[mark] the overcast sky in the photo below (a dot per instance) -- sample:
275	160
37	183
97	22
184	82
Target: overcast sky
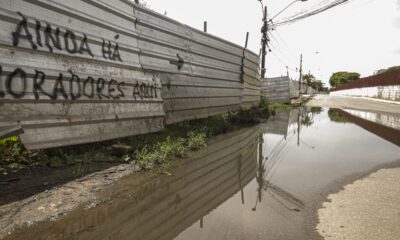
361	36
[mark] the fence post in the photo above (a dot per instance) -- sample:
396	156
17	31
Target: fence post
244	57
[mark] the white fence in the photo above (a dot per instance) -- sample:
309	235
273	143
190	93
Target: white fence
390	93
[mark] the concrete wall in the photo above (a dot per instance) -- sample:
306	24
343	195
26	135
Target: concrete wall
276	89
282	89
391	93
385	86
82	71
304	89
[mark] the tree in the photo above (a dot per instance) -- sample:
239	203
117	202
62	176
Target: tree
385	70
340	78
308	78
311	81
318	85
394	68
379	71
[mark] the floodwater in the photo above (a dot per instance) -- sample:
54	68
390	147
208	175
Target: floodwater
262	182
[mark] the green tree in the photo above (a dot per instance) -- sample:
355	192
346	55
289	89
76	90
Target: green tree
311	81
394	68
340	78
390	69
308	79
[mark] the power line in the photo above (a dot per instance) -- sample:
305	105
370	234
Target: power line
306	14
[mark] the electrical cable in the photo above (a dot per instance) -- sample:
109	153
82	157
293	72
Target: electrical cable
306	14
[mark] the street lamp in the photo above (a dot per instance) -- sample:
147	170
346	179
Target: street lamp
264	30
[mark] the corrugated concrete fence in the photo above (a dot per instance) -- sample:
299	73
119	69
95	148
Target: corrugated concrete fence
82	71
276	89
304	89
282	89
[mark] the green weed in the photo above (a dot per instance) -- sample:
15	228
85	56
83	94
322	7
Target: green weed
196	141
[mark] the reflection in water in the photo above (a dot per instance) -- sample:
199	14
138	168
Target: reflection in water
335	116
151	207
391	120
256	183
384	125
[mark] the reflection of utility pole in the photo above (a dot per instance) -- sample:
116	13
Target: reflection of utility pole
240	177
298	129
260	172
260	167
301	73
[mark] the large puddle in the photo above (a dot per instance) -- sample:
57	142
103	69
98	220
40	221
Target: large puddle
256	183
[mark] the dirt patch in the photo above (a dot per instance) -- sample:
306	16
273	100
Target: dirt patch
56	202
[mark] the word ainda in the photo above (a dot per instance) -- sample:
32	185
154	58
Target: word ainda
52	38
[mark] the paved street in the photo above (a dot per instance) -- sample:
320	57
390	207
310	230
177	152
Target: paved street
369	207
323	100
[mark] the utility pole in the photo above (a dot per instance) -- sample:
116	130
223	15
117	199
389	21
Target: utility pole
264	31
301	73
287	71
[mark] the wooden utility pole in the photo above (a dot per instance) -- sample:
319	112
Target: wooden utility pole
247	40
301	73
287	71
264	31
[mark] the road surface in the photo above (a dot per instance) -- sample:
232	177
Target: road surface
368	208
323	100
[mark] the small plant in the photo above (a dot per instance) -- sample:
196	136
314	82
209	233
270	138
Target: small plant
279	107
55	162
196	141
179	147
79	170
100	157
146	158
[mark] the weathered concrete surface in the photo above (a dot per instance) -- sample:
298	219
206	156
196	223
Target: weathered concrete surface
276	89
366	209
353	103
390	93
110	69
